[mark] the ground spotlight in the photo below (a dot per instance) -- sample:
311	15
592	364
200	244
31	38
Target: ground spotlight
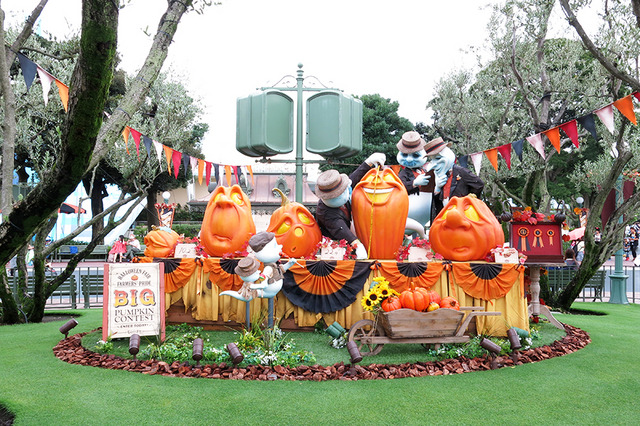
134	345
354	354
493	349
514	340
197	351
234	352
68	326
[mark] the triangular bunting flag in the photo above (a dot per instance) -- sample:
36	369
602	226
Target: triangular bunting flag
29	69
605	114
136	138
125	135
625	106
476	159
571	130
216	173
492	155
235	172
505	151
464	161
194	168
553	135
45	79
147	144
176	157
186	163
168	153
517	147
200	170
208	172
158	146
536	142
637	95
63	91
589	124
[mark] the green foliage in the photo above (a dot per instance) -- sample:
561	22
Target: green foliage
189	231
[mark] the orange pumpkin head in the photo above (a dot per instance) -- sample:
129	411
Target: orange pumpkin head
465	229
416	298
296	230
160	242
380	205
227	223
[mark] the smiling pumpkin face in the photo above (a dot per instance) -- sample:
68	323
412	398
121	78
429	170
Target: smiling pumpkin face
465	229
295	228
380	205
227	222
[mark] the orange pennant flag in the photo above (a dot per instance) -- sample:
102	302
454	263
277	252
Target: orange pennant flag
625	106
492	155
253	182
168	153
227	174
200	170
63	91
554	137
125	136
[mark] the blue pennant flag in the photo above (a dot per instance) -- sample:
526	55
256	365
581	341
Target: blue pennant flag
517	147
589	123
147	144
29	69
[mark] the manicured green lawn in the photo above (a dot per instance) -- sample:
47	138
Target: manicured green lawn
598	384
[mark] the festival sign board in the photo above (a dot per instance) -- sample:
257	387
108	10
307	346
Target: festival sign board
133	300
541	242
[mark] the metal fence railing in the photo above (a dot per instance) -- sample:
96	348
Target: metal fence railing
84	288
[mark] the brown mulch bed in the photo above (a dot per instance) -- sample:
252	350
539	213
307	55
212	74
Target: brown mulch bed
71	350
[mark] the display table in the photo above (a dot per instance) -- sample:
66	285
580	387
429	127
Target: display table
333	290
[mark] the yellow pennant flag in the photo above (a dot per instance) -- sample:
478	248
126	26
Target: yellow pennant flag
253	182
125	136
227	174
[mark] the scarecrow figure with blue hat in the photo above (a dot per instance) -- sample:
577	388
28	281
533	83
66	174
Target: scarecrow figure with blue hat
333	212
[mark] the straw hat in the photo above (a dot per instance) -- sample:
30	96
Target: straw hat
435	146
331	183
410	142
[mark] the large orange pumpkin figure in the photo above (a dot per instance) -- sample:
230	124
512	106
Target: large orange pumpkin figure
160	242
227	223
296	230
465	229
380	205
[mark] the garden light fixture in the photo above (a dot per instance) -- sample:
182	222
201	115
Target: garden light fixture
197	351
134	345
234	352
68	326
493	349
514	340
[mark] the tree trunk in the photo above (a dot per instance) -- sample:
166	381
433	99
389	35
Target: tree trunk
97	207
9	129
152	213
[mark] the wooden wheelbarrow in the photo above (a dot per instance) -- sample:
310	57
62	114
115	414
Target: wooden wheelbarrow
408	326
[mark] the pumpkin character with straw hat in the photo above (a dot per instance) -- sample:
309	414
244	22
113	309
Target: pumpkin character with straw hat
333	211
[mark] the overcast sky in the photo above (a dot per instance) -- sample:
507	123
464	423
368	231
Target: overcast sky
399	49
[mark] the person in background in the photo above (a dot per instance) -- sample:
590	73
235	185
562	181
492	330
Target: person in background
570	259
627	247
133	248
597	236
116	254
579	250
633	242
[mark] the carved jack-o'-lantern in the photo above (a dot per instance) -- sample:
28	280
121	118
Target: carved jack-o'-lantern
465	229
160	242
296	230
380	205
227	222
